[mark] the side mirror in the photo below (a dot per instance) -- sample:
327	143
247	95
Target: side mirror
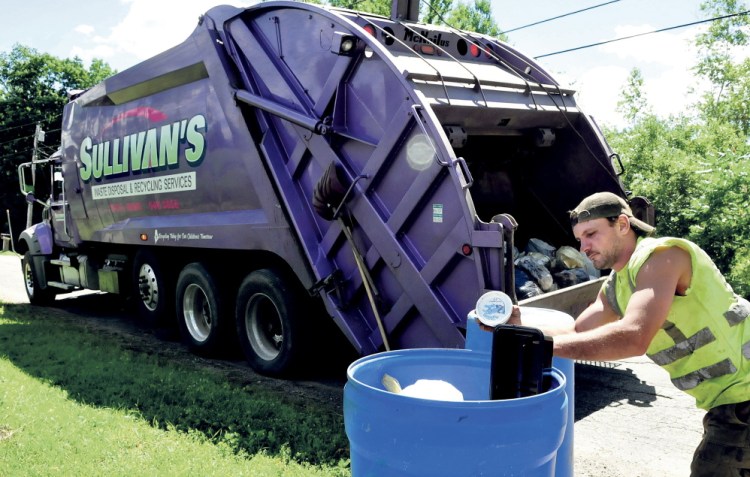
25	178
27	188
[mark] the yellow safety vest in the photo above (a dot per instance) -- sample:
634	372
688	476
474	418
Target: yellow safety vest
704	344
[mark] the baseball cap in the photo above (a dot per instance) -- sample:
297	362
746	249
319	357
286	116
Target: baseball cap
606	204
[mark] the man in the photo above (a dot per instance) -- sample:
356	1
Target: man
666	298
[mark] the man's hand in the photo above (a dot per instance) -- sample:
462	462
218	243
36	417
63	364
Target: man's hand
515	316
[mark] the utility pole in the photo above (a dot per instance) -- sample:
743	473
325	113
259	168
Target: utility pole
38	137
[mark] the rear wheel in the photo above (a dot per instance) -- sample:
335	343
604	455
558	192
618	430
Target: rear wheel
36	295
152	289
270	325
204	324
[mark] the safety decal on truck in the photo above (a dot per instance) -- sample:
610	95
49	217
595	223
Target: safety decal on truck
437	213
150	150
179	236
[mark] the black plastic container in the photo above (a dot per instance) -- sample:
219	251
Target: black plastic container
519	357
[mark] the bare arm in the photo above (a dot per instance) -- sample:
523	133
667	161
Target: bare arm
599	338
595	315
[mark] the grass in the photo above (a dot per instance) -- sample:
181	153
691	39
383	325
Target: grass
73	402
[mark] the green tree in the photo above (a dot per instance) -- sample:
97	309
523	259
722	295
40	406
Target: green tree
435	11
696	170
633	103
476	17
34	88
378	7
729	97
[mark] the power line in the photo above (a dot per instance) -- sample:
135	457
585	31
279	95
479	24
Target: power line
643	34
50	120
29	137
23	138
3	130
559	16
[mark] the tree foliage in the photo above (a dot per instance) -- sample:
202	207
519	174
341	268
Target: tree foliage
436	11
720	46
378	7
475	16
33	90
696	170
633	103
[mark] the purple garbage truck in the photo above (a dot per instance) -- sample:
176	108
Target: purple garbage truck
291	157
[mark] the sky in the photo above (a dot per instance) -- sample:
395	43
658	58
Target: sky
124	32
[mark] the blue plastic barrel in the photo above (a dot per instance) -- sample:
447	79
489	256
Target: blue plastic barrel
479	340
395	435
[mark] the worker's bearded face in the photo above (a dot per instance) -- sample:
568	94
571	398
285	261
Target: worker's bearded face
600	242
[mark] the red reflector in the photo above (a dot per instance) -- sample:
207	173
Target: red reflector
370	29
427	49
466	249
144	237
474	50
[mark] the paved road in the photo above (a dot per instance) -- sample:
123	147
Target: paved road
630	420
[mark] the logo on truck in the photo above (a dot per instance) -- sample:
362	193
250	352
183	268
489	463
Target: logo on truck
425	36
151	150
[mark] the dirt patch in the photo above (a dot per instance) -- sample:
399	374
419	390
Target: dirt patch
6	433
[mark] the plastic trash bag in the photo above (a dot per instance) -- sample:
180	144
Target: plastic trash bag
568	278
536	271
583	274
525	286
569	258
434	389
540	246
540	258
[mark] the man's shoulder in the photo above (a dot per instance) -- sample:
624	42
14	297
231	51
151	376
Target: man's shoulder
671	250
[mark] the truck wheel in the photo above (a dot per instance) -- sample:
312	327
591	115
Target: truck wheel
200	311
36	295
270	327
152	290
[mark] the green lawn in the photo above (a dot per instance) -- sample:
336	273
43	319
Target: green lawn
73	402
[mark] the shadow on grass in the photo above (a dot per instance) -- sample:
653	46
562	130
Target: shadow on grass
166	388
598	386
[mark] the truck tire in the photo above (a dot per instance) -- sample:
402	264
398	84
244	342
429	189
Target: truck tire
36	295
205	325
152	289
270	325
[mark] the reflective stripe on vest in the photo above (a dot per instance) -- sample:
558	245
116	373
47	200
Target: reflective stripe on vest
683	346
692	380
738	312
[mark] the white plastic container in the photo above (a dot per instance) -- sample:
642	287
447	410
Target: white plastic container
493	308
